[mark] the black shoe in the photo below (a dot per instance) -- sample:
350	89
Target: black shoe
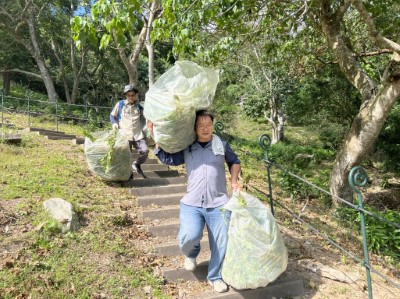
136	168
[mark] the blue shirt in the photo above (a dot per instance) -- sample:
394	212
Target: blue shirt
205	173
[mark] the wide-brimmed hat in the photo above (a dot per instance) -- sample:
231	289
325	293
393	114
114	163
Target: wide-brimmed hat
130	87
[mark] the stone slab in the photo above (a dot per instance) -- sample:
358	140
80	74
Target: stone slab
11	139
287	287
157	174
162	213
173	249
158	190
153	167
160	200
177	275
164	230
146	182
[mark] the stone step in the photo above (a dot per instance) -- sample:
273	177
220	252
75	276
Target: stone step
165	200
60	137
151	161
158	190
32	129
172	249
157	174
179	275
146	182
164	230
55	133
286	287
154	167
11	139
78	140
170	213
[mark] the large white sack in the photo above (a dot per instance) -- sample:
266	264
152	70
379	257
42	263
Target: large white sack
171	103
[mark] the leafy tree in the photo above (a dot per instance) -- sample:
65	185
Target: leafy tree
21	20
359	50
128	23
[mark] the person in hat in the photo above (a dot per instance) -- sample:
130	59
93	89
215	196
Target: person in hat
127	116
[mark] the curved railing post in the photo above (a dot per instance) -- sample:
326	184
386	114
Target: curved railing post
359	178
265	141
219	127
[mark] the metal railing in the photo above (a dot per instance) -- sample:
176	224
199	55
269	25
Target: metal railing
62	112
357	178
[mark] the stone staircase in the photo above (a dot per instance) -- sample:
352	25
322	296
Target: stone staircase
56	135
158	192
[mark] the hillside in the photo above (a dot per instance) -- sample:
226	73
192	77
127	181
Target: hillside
111	256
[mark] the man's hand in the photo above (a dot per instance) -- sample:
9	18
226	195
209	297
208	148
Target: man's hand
115	126
149	125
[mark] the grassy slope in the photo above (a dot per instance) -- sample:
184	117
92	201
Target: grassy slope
105	258
101	260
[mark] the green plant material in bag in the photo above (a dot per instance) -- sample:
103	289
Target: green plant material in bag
108	155
172	101
256	254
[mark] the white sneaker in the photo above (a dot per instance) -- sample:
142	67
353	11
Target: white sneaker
219	286
190	264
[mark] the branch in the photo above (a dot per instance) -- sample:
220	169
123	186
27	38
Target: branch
262	69
342	10
252	76
374	53
345	58
23	72
373	31
3	11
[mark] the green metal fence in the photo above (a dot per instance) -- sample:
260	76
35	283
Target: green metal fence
357	178
56	111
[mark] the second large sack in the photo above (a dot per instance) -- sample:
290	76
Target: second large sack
172	101
256	254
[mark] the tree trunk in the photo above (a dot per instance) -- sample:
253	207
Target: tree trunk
362	136
36	53
376	105
153	14
150	51
62	68
6	82
130	66
77	73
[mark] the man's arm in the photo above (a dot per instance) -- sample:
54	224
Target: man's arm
169	159
234	166
235	170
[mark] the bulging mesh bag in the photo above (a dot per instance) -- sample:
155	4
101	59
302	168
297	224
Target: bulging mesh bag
256	254
118	166
172	101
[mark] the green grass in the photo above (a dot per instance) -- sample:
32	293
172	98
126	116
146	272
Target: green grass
98	260
101	259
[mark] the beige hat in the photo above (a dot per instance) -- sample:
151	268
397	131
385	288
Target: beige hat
130	87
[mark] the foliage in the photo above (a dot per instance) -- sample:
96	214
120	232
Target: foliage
382	238
324	96
388	140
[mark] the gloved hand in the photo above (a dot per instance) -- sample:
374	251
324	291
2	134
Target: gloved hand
115	126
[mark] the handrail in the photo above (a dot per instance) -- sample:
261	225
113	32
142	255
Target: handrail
33	107
357	178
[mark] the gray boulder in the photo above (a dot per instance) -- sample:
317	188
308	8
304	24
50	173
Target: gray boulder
63	212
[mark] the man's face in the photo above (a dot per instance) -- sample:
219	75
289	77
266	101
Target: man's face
131	97
204	128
